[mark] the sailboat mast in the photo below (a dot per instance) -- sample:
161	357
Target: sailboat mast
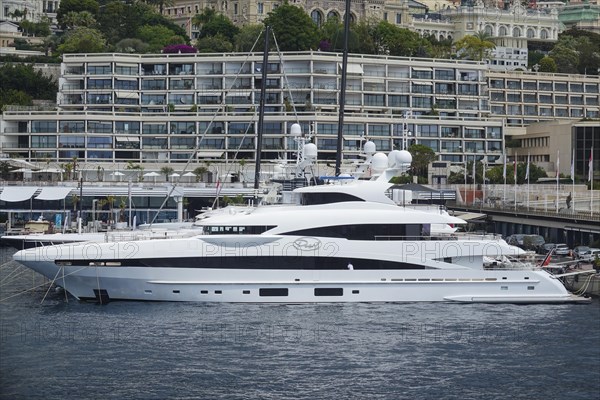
261	109
340	137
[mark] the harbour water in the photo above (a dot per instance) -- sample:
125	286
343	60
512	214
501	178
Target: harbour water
137	350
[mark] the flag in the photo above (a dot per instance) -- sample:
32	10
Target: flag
504	169
527	170
548	257
515	169
590	166
218	187
474	162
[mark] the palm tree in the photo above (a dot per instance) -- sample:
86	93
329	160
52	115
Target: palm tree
167	171
476	47
160	3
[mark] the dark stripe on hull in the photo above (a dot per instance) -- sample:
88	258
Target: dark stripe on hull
252	262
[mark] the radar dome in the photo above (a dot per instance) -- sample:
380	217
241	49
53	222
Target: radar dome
310	150
403	157
393	158
379	162
369	147
295	130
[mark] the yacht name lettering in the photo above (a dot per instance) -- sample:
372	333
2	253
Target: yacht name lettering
307	244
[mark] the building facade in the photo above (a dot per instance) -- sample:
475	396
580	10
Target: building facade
511	29
164	109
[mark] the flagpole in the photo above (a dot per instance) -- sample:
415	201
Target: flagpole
504	176
557	175
474	180
573	179
515	178
483	192
527	175
591	179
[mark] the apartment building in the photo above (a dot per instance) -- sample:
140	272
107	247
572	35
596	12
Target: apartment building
168	108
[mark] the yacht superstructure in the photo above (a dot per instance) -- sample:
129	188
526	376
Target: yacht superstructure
338	252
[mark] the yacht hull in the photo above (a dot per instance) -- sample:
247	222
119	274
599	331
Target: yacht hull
301	286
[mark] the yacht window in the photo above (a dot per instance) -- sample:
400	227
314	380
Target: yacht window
273	292
236	230
365	231
326	198
329	291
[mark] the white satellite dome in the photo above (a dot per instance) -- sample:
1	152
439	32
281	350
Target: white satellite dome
310	150
379	161
393	158
295	130
369	148
403	157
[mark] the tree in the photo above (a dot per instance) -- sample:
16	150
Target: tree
21	84
422	156
158	36
475	47
390	39
214	44
547	64
167	171
293	28
14	97
199	172
67	6
212	24
75	19
131	46
248	37
83	40
161	4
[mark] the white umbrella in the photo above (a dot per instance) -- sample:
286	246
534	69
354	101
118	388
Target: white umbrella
152	174
117	173
22	170
52	170
174	175
190	174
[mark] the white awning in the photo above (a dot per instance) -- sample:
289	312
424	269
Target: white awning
14	194
209	153
422	69
53	193
127	139
352	68
234	92
126	65
126	95
423	83
479	128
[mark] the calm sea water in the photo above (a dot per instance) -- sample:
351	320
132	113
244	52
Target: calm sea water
136	350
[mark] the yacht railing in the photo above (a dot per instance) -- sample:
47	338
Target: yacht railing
443	236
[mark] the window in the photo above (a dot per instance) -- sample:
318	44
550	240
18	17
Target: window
43	127
99	142
379	130
43	141
183	128
273	292
99	69
260	8
154	129
329	291
428	131
127	127
100	127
